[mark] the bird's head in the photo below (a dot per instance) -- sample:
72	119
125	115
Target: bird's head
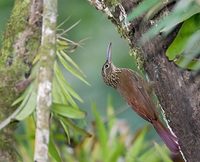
109	71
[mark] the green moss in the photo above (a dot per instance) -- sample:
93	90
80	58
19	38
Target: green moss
111	3
13	66
139	60
16	24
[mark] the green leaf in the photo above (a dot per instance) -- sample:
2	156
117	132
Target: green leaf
116	152
150	155
60	79
188	28
137	146
163	153
67	58
71	70
53	150
182	61
28	108
101	131
28	91
65	127
67	111
77	129
58	96
178	15
142	8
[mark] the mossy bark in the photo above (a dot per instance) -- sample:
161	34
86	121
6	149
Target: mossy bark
20	44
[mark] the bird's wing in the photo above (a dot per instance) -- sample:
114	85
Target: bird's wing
142	87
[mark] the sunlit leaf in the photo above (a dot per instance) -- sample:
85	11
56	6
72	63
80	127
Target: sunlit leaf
188	28
67	111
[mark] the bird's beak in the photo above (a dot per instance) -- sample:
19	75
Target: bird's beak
108	55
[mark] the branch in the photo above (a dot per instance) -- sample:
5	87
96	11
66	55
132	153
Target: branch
45	77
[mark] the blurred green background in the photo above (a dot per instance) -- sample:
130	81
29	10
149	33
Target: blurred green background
100	31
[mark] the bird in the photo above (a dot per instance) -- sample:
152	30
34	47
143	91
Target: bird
136	92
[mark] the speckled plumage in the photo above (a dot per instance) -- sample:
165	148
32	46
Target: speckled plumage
134	90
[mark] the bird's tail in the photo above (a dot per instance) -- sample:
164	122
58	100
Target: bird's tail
169	139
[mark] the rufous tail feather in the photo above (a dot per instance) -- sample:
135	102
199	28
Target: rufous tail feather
169	139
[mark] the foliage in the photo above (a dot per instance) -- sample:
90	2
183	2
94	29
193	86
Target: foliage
64	107
112	141
184	50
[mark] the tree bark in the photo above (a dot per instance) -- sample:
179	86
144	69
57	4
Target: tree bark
20	44
178	90
45	79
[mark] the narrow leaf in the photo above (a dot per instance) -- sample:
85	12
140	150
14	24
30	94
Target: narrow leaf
137	147
67	58
142	8
60	79
175	17
77	129
28	108
53	150
65	127
188	28
28	91
71	70
163	153
67	111
101	131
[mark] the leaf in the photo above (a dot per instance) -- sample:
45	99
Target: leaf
22	97
163	154
142	8
53	150
179	14
67	111
65	127
137	146
116	152
58	97
150	155
71	70
67	58
194	64
101	131
70	124
60	79
28	108
188	28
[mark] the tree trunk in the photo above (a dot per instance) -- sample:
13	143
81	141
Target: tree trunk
178	90
20	44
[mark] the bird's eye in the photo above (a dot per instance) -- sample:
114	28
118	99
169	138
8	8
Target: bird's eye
106	66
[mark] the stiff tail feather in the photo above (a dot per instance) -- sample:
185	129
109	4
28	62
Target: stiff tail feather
169	139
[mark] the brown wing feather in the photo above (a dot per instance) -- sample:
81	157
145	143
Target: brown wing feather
133	89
